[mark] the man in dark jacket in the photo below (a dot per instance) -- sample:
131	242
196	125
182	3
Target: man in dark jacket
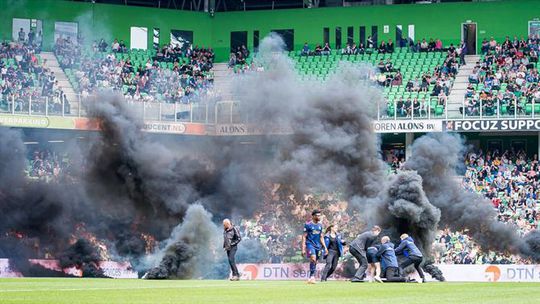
413	255
389	263
358	249
231	238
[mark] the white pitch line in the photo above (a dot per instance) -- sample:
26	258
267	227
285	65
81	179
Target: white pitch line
124	288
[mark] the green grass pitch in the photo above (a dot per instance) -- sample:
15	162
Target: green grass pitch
110	291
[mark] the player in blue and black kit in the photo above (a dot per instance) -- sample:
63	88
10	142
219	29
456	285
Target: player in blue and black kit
313	243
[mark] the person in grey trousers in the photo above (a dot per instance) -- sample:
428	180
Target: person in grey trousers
358	249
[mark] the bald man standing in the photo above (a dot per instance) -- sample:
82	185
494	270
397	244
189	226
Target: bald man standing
231	238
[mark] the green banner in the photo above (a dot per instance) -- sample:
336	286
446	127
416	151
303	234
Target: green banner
27	121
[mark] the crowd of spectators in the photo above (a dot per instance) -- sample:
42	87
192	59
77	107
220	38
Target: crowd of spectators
239	56
510	181
370	46
437	83
276	224
506	78
47	165
172	75
25	79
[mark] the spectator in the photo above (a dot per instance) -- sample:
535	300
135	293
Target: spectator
318	50
370	42
326	49
305	50
115	47
102	45
438	45
354	49
424	47
22	35
462	53
382	47
123	48
390	46
31	37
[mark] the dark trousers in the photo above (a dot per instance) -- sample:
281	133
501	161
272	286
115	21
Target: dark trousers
232	262
416	261
331	264
392	275
360	256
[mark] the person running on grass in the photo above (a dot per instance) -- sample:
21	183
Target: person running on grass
334	243
313	243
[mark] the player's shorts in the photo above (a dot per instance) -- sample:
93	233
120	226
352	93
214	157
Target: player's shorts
371	255
311	250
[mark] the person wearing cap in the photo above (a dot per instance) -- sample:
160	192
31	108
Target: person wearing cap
358	249
313	243
334	243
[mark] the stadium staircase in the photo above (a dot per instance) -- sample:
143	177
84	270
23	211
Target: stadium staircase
223	78
63	81
455	99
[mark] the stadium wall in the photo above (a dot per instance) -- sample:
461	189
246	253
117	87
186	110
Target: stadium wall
104	20
497	19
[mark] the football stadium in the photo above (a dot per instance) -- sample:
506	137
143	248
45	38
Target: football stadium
259	151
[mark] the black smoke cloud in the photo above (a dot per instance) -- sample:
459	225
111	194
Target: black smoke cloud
126	185
189	252
333	145
407	210
82	255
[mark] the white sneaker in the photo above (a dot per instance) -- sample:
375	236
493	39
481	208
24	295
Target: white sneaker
311	280
378	279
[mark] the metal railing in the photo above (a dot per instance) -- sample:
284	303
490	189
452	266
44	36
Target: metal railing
500	109
229	112
151	111
429	108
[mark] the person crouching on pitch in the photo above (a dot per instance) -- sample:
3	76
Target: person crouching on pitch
413	255
358	248
231	238
334	243
313	243
389	263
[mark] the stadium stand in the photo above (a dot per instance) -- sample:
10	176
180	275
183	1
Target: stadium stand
27	81
505	77
508	179
415	83
416	79
169	74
